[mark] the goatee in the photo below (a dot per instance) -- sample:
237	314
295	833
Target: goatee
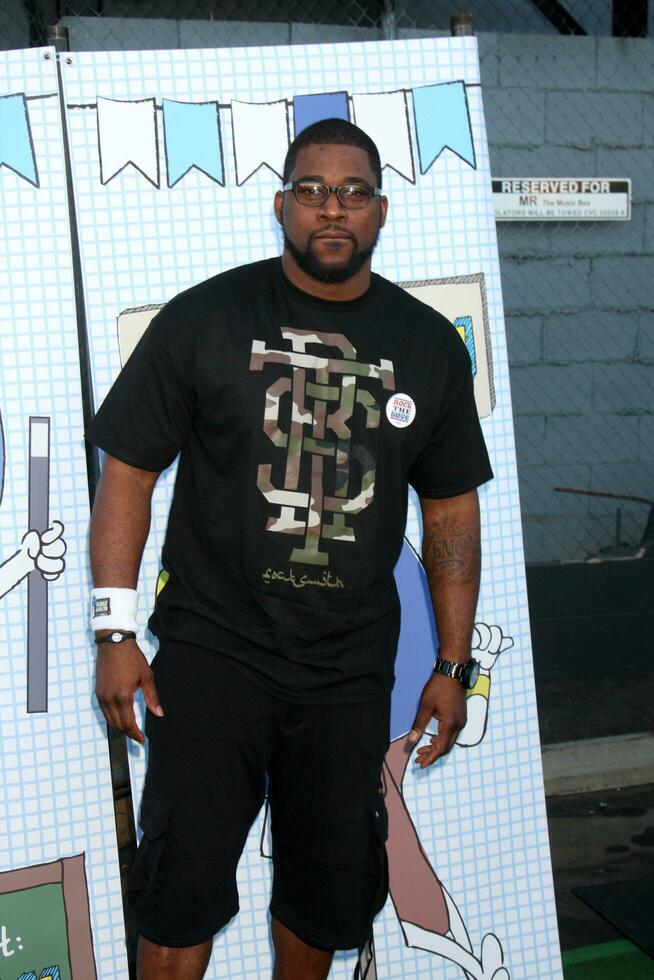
309	262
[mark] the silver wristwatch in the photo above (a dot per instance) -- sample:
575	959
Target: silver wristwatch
467	673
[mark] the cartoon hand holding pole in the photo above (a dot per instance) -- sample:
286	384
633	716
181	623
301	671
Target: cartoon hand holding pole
43	552
42	548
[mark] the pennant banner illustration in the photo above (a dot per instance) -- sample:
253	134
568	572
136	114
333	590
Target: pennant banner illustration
384	118
16	147
192	139
127	134
260	137
308	109
442	120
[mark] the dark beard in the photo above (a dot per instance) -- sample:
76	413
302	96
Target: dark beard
311	264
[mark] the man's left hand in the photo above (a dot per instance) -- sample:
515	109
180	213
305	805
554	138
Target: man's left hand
443	698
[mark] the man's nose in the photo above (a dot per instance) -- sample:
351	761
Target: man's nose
332	207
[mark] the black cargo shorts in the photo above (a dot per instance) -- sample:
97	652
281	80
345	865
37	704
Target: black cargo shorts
224	743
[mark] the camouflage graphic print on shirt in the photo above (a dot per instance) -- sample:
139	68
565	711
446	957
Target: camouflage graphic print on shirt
323	394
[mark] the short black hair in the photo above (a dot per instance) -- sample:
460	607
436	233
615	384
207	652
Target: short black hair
337	132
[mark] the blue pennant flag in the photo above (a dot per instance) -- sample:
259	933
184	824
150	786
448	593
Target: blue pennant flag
308	109
192	137
442	119
16	147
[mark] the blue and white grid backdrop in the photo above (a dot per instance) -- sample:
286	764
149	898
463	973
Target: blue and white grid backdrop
55	780
480	813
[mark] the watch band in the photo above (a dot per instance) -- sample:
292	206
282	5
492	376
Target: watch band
467	674
115	637
449	668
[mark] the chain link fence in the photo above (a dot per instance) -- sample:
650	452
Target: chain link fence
567	94
26	22
623	18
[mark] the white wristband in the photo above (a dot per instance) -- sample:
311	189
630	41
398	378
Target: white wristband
113	609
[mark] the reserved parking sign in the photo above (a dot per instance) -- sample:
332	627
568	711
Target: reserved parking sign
562	199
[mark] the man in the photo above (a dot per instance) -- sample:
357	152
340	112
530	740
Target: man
303	395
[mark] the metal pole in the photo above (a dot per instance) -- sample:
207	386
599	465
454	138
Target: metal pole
389	20
88	409
56	37
461	25
37	587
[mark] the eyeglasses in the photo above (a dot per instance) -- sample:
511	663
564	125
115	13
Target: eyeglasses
313	194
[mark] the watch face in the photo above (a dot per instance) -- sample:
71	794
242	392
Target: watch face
472	674
116	637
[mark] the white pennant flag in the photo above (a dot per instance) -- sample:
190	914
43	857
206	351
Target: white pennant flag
127	133
261	137
384	117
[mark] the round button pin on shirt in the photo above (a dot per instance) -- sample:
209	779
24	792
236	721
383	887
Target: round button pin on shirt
400	410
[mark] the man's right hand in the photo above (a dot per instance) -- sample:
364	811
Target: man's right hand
120	670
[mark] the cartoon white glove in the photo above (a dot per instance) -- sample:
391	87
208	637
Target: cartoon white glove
47	550
489	965
44	552
487	643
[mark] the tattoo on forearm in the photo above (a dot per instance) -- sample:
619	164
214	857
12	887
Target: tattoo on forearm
450	552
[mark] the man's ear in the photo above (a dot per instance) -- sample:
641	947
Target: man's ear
383	210
278	204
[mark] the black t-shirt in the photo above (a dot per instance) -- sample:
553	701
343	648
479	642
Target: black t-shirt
299	423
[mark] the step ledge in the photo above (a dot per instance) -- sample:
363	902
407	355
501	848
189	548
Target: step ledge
592	764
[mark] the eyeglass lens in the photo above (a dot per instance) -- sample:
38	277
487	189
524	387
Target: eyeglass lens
350	195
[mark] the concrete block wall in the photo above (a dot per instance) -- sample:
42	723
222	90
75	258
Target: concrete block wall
133	34
579	297
504	16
